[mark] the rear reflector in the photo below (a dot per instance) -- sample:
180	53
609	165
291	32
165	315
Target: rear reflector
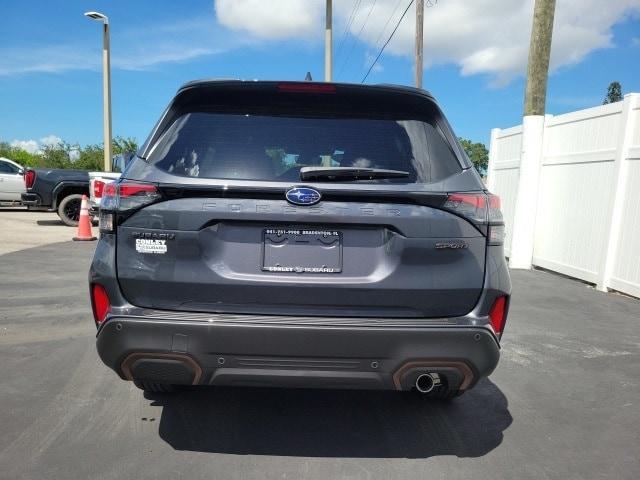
29	178
98	187
307	87
498	315
100	303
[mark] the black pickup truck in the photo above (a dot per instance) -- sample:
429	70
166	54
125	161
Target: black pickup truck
56	189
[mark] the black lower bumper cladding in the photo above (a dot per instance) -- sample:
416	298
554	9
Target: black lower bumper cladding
255	354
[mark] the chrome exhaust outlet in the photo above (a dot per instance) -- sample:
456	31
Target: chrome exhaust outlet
426	382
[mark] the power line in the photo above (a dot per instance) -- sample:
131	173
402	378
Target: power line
388	40
357	37
352	17
384	29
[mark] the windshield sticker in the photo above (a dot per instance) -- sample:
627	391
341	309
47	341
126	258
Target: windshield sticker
144	245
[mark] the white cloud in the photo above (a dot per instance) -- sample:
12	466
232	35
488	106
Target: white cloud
50	140
273	19
480	36
36	146
140	49
30	146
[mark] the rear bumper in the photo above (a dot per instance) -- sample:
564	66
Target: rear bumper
31	199
207	352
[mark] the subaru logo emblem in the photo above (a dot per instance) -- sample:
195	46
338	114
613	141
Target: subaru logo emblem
303	196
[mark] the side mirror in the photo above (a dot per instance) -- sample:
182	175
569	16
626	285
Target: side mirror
21	171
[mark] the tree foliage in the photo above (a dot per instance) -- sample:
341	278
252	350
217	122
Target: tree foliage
477	153
614	93
66	155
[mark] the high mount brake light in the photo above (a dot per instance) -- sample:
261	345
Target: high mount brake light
29	178
482	209
306	87
124	198
100	303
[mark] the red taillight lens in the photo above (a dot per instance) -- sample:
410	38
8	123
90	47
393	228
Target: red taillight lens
29	178
307	87
495	214
482	209
125	196
136	189
470	205
122	198
498	315
98	187
100	302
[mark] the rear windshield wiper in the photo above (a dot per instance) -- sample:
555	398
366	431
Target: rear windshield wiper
335	174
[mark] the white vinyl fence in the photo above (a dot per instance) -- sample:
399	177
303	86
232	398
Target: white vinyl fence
587	222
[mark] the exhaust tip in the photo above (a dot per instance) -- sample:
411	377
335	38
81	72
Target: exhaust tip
426	382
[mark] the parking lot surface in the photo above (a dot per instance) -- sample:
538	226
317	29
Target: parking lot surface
562	404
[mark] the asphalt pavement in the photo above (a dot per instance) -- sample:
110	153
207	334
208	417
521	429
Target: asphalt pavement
562	404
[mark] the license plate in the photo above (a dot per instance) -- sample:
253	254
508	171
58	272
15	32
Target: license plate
294	250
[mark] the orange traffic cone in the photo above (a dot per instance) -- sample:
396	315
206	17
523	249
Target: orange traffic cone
84	225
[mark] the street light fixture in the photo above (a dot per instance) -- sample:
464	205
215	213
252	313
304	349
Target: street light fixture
106	85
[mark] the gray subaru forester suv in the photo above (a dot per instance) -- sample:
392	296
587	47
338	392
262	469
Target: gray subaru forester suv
301	234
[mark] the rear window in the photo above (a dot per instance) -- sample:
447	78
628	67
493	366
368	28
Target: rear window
275	148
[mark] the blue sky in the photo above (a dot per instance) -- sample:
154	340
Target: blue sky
50	78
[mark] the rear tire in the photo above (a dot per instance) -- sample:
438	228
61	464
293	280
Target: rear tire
69	209
154	387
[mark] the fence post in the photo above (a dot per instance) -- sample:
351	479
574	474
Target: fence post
620	169
524	218
493	157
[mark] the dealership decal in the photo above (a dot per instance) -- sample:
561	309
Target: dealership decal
144	245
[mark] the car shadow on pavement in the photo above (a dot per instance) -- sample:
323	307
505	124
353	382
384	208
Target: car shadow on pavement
54	223
332	423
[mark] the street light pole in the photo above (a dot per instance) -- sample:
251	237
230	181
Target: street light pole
419	42
328	43
106	85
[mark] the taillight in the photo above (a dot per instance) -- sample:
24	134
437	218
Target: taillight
498	315
124	198
100	303
98	187
482	209
29	178
470	205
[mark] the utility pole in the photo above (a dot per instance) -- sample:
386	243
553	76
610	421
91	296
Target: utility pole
328	44
539	53
533	126
419	41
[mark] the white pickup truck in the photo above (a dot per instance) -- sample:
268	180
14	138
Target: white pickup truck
98	180
11	181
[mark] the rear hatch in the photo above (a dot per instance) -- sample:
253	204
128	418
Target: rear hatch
215	217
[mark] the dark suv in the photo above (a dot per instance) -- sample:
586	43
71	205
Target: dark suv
301	235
